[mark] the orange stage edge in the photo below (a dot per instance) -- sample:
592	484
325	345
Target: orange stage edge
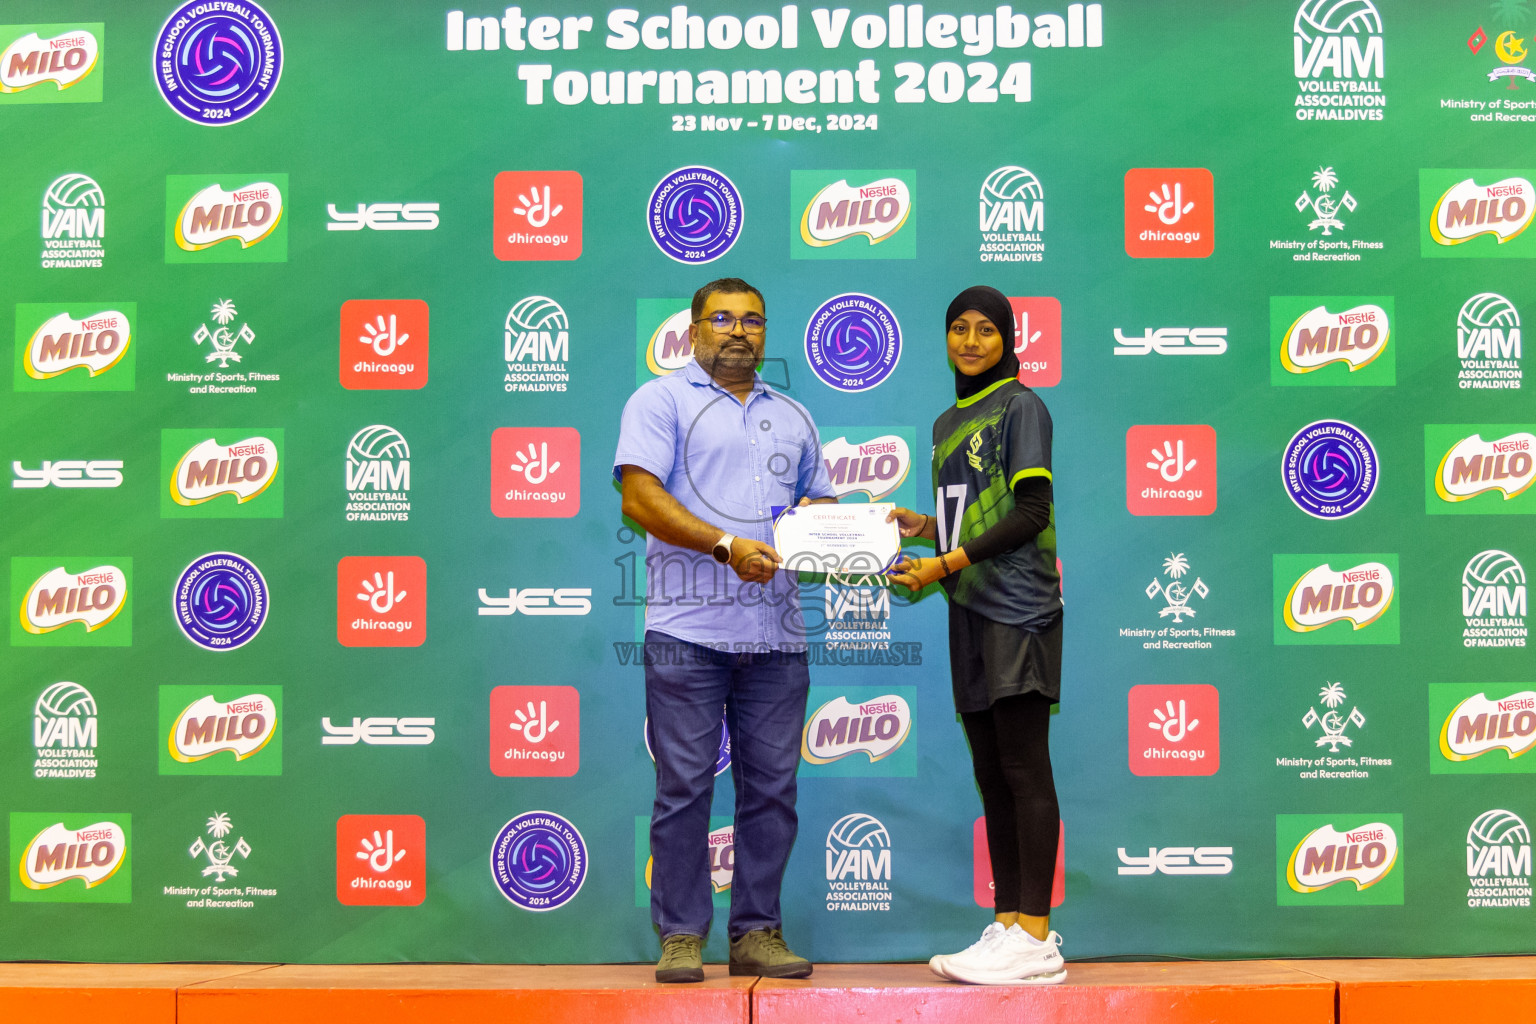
1254	992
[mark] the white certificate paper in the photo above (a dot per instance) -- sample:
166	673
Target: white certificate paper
840	539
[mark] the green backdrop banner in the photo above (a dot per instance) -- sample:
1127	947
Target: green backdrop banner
324	617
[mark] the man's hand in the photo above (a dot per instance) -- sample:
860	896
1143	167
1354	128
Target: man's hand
754	561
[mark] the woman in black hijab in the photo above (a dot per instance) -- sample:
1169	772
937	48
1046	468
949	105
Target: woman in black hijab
995	533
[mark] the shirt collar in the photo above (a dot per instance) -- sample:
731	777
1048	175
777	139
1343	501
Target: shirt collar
695	374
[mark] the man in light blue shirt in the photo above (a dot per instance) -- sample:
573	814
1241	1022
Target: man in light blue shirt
704	456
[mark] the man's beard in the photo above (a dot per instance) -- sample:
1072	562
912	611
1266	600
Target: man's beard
734	360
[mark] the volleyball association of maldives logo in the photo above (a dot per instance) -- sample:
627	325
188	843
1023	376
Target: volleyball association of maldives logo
1330	469
853	342
218	63
220	601
695	215
539	861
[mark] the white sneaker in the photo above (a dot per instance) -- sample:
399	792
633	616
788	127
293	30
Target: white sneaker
1018	959
990	936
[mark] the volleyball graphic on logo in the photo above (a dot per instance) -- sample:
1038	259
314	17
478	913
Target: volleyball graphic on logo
1333	17
1487	309
220	601
1009	183
858	831
218	63
1330	469
378	442
1498	828
695	215
537	313
1493	569
71	191
853	342
539	861
66	700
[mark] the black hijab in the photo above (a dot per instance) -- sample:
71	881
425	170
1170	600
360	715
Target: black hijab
993	305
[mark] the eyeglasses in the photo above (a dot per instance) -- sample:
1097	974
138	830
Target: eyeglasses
724	323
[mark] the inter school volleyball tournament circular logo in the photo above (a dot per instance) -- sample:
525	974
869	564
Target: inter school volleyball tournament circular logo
853	342
539	861
220	601
695	215
218	63
1330	469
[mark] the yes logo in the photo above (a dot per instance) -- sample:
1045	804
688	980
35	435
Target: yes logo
537	215
209	223
1479	729
381	601
70	858
1037	339
535	472
1479	469
1318	346
535	730
1317	603
1460	216
62	56
381	860
1170	470
861	215
1169	212
1317	858
75	347
1174	730
71	602
384	344
201	471
222	732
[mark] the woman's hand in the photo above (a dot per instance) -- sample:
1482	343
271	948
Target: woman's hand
912	524
916	573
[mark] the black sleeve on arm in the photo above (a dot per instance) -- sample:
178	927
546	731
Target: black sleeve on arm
1030	514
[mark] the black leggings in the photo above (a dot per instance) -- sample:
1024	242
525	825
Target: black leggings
1010	750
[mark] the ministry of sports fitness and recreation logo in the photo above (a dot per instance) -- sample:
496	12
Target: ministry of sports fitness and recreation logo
1498	860
1329	469
1481	729
535	731
64	733
1170	212
1476	213
71	602
858	864
1339	55
1323	207
74	223
220	601
861	215
1493	601
202	470
663	337
71	858
1509	46
1179	602
384	344
218	63
853	342
381	601
381	860
695	215
1323	863
1316	603
539	861
220	730
1488	343
223	346
1174	730
61	55
536	344
75	346
864	731
1330	725
226	218
1012	217
536	215
1479	469
378	476
1340	340
220	851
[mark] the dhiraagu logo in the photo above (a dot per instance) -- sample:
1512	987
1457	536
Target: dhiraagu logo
71	858
852	215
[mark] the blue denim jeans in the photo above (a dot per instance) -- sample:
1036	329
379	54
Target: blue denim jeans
764	698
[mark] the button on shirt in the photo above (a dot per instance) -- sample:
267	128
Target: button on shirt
729	463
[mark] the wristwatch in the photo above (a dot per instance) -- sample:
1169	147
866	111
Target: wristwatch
722	549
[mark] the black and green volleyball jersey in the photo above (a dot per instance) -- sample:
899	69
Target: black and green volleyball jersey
982	446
